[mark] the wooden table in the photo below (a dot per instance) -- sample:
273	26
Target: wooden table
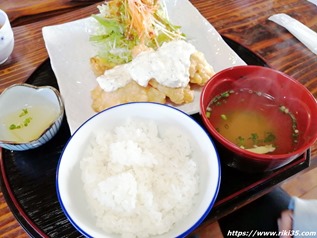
243	21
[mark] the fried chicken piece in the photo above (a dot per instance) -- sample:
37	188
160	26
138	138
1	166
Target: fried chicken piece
199	71
132	92
155	95
176	95
99	65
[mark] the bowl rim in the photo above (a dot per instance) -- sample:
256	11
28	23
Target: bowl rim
236	149
185	115
61	107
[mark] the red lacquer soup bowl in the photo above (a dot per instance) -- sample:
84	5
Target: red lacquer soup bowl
260	118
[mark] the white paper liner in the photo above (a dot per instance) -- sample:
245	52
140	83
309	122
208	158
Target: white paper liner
304	34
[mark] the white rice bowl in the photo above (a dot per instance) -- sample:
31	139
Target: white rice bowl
165	187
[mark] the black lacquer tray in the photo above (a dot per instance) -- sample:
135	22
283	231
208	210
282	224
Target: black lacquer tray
28	178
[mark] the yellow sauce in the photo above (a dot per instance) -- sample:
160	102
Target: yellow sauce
26	124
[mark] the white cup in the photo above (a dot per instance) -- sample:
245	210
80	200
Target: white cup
6	37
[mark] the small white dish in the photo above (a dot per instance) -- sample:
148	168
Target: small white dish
6	37
70	187
29	116
70	50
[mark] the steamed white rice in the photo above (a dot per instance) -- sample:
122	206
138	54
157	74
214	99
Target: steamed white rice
139	179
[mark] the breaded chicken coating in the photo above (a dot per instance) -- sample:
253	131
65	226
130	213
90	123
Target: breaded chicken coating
200	72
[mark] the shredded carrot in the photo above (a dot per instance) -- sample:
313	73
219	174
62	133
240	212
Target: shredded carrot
141	13
126	24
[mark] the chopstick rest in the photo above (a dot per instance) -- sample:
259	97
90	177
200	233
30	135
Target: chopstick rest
304	34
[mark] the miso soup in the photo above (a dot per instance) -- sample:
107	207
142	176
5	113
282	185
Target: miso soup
254	121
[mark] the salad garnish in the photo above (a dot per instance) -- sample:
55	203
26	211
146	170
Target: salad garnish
127	27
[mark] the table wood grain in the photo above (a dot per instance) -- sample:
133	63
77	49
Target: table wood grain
18	9
29	51
244	21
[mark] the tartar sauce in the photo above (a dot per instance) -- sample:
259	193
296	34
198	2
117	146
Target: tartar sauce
168	65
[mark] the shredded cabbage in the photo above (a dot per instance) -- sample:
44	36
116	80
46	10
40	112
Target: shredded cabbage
123	25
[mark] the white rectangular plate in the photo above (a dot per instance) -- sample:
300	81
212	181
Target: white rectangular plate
69	50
